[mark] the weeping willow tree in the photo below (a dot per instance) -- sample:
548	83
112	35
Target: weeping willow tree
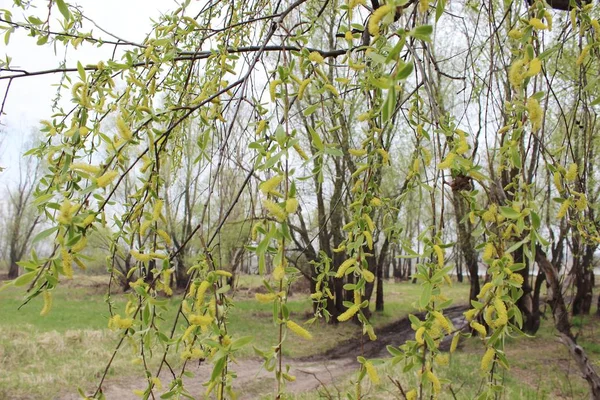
473	106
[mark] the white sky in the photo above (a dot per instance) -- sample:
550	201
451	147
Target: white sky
30	99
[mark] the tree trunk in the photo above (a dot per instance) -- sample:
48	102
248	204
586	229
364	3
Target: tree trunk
584	274
13	270
379	291
561	322
465	240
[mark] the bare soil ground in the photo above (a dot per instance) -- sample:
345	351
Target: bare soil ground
315	372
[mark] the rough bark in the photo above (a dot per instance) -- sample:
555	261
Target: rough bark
465	241
561	322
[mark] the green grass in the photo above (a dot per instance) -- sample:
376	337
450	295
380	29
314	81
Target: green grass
43	357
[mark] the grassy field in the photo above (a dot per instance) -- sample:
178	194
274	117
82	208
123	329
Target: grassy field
46	357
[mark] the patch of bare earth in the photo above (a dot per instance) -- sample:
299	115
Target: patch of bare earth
314	372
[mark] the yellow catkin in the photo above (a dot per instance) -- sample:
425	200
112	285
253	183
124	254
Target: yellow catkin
357	152
369	222
419	335
91	169
298	330
564	208
200	320
571	174
117	322
502	313
470	314
143	257
300	152
515	34
123	129
488	251
279	273
548	17
487	359
144	226
273	88
302	88
65	214
316	57
368	275
442	359
479	328
454	343
423	6
106	179
411	394
488	316
80	245
538	24
536	115
270	184
369	239
448	161
558	181
376	18
273	208
534	67
439	253
265	298
371	333
349	313
157	210
584	52
67	263
375	202
515	73
47	303
581	202
200	293
291	205
516	279
435	382
357	297
261	126
344	267
165	236
372	373
442	321
484	289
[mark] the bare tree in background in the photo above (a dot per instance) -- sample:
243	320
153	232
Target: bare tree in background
20	218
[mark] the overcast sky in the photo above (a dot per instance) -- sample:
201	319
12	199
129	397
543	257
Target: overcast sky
30	99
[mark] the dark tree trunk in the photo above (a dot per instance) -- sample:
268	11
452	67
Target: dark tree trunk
379	290
13	270
564	5
465	240
584	275
531	315
459	269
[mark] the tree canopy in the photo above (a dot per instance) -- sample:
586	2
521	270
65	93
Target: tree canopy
323	136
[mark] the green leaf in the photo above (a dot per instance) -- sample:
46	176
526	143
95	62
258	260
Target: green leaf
508	212
422	32
390	105
439	9
218	368
81	71
425	295
405	71
44	234
25	278
64	10
241	342
316	139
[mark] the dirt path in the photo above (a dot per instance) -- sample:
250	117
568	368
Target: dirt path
315	372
